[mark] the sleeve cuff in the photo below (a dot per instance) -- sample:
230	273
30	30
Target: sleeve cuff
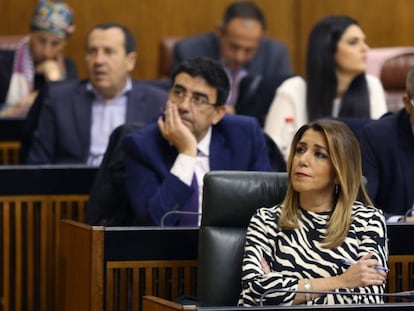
183	168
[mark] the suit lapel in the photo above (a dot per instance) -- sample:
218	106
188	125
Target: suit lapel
82	115
134	109
220	153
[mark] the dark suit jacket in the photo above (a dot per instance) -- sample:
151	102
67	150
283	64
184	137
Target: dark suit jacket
63	133
237	143
387	147
271	62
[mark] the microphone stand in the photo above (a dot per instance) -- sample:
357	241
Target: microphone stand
408	213
409	295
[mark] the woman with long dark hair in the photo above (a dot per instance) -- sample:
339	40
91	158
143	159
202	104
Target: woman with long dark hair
335	85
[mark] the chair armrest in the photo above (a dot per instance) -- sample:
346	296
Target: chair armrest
152	303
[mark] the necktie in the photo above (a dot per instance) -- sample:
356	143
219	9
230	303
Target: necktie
191	206
233	88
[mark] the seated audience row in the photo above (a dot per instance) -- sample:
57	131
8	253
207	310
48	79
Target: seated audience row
77	117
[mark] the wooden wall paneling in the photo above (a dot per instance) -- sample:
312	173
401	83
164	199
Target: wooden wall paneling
289	20
150	21
182	18
385	22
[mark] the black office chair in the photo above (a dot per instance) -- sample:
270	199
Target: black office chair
108	203
230	198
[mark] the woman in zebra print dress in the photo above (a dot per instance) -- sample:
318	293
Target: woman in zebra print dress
325	219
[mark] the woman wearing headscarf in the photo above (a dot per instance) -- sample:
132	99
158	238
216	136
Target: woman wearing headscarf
38	58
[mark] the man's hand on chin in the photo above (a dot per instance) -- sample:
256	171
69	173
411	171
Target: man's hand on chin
176	132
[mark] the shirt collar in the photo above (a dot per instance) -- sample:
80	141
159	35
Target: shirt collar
127	88
203	146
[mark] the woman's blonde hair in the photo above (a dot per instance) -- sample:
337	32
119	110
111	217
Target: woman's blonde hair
345	156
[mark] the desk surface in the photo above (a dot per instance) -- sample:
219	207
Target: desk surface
11	129
127	243
400	238
46	179
150	243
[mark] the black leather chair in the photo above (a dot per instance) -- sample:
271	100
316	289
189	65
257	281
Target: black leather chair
108	203
230	198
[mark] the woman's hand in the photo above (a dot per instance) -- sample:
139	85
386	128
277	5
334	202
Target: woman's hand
363	273
52	69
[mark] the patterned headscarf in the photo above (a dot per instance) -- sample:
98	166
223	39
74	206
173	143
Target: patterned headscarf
54	17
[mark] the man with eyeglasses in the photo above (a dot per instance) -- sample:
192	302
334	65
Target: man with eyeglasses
387	147
166	160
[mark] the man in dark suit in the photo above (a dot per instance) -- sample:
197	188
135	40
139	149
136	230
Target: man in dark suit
239	43
165	161
78	117
387	147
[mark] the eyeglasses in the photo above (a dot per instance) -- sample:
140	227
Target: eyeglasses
198	101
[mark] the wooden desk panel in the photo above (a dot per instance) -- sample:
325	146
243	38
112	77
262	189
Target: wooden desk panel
29	248
136	261
33	200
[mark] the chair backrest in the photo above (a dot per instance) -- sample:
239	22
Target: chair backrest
391	65
230	199
165	56
108	203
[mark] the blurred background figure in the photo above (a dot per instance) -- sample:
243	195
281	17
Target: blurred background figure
78	116
248	56
38	59
335	83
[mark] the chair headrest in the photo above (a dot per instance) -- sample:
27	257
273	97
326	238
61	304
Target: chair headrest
230	198
394	72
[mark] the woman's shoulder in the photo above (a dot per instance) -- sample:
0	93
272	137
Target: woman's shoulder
293	83
268	213
365	211
372	80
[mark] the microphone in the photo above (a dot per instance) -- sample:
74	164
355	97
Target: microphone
174	212
405	295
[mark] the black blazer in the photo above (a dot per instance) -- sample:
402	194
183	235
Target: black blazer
387	147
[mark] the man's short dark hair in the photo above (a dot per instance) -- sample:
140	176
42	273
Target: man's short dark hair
243	9
210	70
129	40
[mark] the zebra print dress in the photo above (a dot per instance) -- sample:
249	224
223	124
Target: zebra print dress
297	254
